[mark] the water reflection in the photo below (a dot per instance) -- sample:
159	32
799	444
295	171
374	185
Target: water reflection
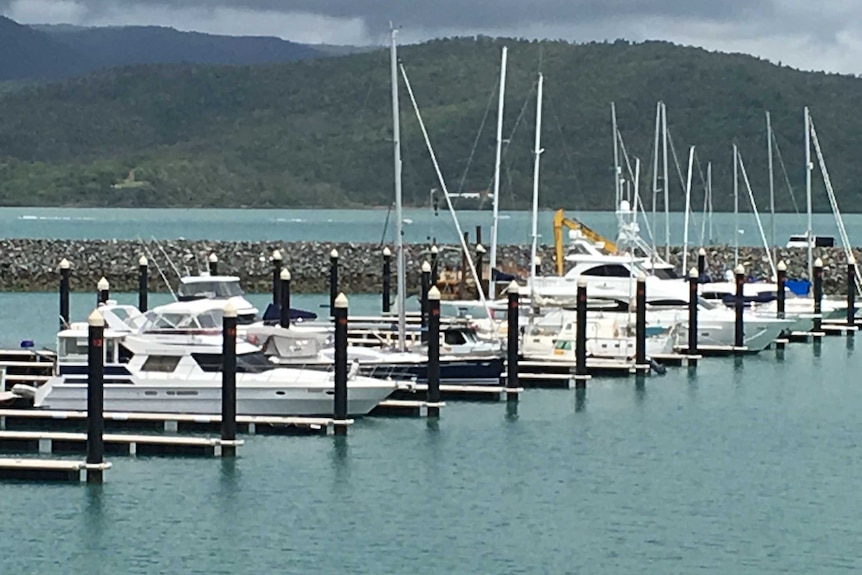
817	347
640	387
339	459
850	342
512	411
580	399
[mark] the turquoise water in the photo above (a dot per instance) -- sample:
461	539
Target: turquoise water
368	225
748	466
746	469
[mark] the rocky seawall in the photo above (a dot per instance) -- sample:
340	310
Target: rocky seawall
32	265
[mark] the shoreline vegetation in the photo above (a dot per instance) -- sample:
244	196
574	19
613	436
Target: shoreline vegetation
318	132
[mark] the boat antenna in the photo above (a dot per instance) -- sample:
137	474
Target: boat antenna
167	257
152	258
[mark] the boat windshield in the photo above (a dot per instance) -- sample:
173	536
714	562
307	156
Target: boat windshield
209	289
210	319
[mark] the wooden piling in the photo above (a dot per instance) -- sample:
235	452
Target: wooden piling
433	369
95	396
340	398
228	380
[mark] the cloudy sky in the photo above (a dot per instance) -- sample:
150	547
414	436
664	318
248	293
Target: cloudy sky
806	34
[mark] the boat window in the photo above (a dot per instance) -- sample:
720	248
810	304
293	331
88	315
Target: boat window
563	344
164	363
609	270
453	337
209	289
73	346
210	319
124	354
254	362
665	273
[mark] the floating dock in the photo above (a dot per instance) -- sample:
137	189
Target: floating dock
115	444
67	470
24	419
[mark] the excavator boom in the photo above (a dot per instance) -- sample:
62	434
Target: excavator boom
560	221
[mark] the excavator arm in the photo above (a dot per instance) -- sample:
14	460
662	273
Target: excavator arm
560	221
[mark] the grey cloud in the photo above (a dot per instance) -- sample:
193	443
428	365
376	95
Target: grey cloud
455	14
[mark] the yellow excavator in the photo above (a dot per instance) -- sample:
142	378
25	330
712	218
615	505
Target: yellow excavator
560	221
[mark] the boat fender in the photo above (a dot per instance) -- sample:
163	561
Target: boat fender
354	370
657	367
22	390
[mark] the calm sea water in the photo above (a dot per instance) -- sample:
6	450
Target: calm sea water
371	225
741	468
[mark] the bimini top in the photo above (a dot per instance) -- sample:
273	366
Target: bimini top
193	316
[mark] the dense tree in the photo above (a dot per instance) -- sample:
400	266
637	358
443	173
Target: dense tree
318	133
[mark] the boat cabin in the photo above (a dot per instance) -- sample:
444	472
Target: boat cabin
219	288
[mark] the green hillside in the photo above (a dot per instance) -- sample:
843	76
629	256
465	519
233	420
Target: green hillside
318	133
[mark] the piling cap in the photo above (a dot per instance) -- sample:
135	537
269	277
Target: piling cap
692	273
480	249
341	301
276	255
213	259
701	252
818	263
284	275
64	264
434	293
434	249
142	261
641	276
96	319
740	270
426	268
582	281
103	285
333	254
513	287
537	261
229	310
851	259
782	267
387	252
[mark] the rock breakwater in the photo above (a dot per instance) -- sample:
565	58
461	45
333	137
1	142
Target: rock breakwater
31	264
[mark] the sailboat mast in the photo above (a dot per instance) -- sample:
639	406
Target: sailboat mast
687	210
538	153
735	206
771	184
399	218
709	195
617	192
496	200
808	235
664	173
655	177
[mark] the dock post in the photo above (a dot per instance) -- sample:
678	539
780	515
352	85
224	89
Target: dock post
284	311
701	264
480	269
340	401
640	323
424	285
693	278
103	288
228	380
95	396
433	369
276	276
581	335
818	294
387	279
782	280
333	280
435	252
65	272
212	264
513	293
851	292
739	309
143	284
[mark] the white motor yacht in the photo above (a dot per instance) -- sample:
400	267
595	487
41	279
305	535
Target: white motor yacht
149	368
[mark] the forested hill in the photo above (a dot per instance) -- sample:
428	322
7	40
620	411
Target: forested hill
318	133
